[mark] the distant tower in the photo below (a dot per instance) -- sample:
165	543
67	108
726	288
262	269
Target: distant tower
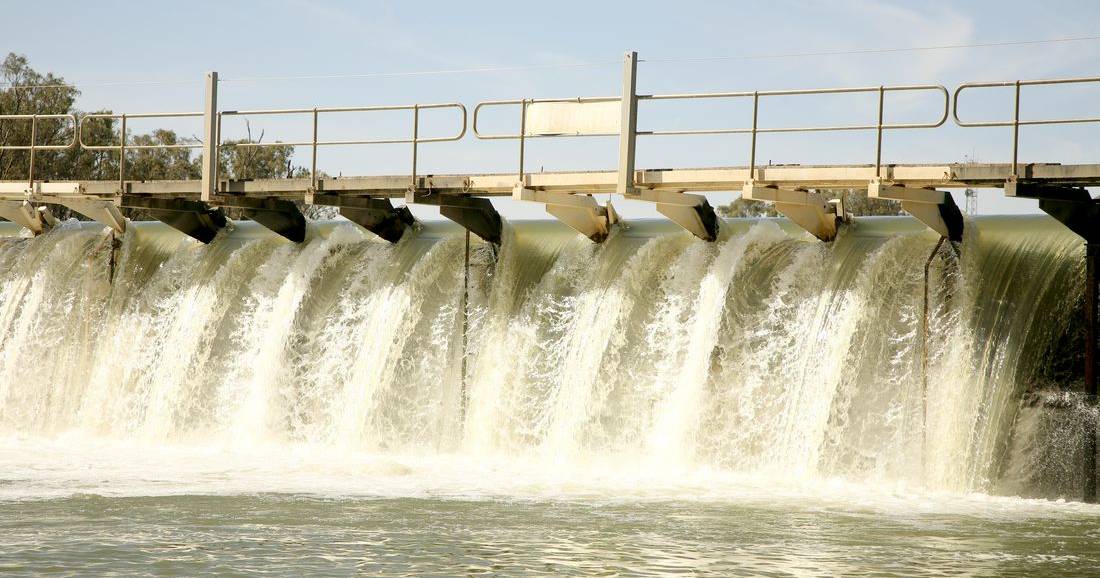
971	202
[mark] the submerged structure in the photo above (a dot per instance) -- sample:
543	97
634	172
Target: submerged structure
756	351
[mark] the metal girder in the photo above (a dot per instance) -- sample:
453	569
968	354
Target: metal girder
279	215
809	210
1074	207
476	214
195	219
37	221
942	176
104	212
934	208
377	215
691	212
580	212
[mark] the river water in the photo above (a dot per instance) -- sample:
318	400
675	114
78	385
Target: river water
656	405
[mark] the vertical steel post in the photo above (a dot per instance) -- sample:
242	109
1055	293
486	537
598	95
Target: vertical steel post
522	139
122	155
415	139
210	138
878	145
1092	256
628	124
313	166
34	136
1016	132
752	146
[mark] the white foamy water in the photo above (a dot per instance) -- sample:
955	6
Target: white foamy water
765	372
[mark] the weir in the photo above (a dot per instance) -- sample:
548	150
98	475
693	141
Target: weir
198	208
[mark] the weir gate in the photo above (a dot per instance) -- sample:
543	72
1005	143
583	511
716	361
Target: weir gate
195	207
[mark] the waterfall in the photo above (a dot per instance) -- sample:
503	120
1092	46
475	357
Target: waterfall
764	353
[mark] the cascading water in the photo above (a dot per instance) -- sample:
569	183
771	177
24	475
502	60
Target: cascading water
765	354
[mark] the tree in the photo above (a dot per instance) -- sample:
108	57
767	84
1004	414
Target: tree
32	93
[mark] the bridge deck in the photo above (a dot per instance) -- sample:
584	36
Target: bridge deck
585	182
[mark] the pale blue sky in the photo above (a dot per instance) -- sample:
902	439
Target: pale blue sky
92	42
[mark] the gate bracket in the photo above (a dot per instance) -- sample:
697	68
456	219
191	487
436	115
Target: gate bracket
580	212
375	214
195	219
475	214
934	208
809	210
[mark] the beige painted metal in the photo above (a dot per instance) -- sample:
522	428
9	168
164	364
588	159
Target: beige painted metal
25	214
732	179
103	212
572	118
580	212
922	203
810	210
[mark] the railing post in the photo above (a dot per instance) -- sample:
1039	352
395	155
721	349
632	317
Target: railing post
628	125
210	137
522	138
415	138
313	165
752	146
1016	132
122	155
878	145
34	137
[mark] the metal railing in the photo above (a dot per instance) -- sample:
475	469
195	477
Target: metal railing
415	139
522	135
33	145
1016	123
122	145
754	129
758	95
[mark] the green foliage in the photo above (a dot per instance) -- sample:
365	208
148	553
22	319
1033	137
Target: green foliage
30	92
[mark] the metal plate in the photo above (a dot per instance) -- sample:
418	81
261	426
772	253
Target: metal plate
572	118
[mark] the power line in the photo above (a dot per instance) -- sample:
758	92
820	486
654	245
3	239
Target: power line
519	68
475	69
858	51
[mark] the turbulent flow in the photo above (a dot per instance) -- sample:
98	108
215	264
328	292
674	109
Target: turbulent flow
766	353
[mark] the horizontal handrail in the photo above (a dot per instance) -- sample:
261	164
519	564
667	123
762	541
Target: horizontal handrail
1016	120
414	107
34	122
123	117
753	130
1016	123
523	103
756	95
415	140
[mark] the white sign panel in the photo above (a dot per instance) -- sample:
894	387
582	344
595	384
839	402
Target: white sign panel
572	118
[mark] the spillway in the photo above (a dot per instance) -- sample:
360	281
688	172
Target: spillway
764	354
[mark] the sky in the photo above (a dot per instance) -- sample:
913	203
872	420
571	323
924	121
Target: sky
165	48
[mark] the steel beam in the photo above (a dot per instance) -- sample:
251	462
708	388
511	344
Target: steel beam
279	215
37	221
104	212
934	208
475	214
580	212
809	210
692	212
210	138
195	219
376	215
628	125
